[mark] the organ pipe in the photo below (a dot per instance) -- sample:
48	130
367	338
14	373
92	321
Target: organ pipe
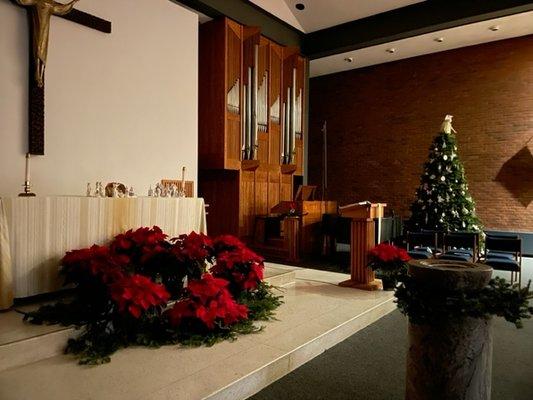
233	100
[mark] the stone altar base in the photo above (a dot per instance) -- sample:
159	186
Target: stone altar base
316	315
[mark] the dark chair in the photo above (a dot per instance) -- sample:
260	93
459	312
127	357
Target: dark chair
504	254
460	246
501	254
440	236
421	245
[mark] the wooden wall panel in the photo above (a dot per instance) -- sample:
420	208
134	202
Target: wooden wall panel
247	204
261	192
286	187
211	95
220	189
299	157
273	189
233	142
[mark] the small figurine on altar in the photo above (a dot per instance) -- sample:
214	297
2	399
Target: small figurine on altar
99	190
150	191
131	192
89	190
158	190
173	190
114	190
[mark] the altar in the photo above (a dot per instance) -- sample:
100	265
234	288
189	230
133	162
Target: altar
35	233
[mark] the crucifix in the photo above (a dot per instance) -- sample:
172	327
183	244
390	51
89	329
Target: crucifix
39	14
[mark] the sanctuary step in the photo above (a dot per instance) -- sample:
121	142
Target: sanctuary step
316	315
22	343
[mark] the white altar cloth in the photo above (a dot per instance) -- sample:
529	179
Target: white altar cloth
35	233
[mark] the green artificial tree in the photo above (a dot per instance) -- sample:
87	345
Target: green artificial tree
442	200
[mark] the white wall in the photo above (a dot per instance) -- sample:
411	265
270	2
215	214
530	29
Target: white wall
119	107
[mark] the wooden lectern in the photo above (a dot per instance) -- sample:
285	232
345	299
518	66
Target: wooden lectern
362	240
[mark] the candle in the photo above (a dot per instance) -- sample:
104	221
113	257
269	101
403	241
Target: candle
27	177
183	181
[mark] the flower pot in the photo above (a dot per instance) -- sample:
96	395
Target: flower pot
389	282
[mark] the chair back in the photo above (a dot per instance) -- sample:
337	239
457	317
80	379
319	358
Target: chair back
503	236
422	239
462	240
506	244
440	236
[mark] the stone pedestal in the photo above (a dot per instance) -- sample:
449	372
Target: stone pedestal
451	360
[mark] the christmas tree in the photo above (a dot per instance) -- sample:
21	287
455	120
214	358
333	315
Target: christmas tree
442	200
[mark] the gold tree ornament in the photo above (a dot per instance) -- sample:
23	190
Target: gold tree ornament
41	11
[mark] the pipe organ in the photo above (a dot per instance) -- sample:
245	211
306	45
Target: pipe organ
251	124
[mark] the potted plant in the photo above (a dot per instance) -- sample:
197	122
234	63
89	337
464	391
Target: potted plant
389	262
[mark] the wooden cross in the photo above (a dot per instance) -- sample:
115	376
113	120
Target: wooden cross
36	92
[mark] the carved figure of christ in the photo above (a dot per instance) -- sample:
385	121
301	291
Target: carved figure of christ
40	12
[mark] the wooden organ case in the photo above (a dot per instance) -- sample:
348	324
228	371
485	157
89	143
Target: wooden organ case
251	124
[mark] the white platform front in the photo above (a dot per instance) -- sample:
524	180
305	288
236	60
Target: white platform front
316	315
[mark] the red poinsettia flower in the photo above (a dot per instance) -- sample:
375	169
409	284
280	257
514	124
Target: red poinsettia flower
403	255
139	245
137	293
227	243
241	266
387	257
193	246
210	302
96	261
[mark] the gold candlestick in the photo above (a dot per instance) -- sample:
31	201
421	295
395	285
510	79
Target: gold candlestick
27	187
183	182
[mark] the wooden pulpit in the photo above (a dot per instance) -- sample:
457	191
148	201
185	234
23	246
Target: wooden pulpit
362	235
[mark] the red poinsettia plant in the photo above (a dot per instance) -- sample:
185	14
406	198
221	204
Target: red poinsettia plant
122	292
236	263
209	303
136	294
389	261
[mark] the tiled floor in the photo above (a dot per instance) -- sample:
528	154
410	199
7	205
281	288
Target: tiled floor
316	315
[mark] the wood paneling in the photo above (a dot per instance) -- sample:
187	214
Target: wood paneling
212	94
220	189
285	188
247	204
273	189
261	192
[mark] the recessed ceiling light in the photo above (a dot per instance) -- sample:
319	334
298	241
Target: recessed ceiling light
300	6
439	39
391	50
495	28
348	59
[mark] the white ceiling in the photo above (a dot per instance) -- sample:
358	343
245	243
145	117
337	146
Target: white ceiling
465	35
320	14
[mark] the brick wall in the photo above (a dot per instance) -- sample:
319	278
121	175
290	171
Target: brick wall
382	119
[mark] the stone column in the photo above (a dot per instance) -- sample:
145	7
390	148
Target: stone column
450	360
